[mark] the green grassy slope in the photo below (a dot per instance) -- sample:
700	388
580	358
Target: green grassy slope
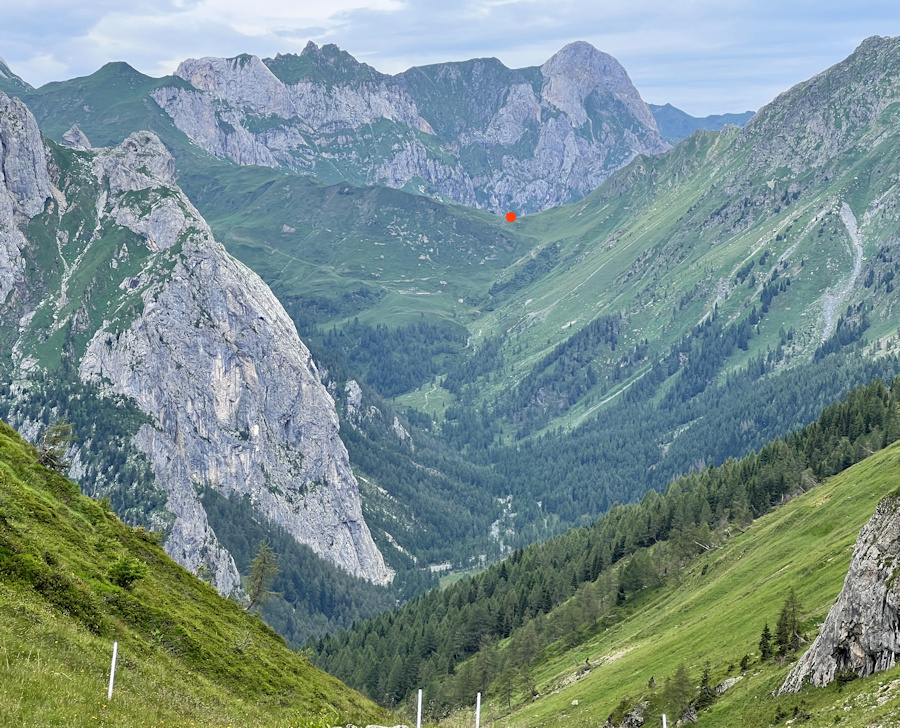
186	656
715	610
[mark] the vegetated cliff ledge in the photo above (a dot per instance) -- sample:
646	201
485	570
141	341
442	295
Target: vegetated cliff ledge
169	320
861	634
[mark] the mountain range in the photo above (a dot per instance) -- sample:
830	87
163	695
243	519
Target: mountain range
498	382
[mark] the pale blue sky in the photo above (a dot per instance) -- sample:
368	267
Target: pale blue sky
704	56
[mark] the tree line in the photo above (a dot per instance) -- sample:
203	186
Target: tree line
448	641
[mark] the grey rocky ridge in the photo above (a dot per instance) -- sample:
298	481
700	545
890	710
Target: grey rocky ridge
104	261
861	634
475	132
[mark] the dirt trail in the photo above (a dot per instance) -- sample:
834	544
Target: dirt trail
833	301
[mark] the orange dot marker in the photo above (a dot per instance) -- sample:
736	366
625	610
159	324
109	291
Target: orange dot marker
511	216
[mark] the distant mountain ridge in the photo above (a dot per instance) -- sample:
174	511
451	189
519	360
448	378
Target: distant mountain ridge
473	132
675	124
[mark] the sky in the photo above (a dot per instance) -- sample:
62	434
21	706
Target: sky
703	56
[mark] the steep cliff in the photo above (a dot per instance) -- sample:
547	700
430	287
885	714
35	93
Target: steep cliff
474	132
24	186
152	309
861	634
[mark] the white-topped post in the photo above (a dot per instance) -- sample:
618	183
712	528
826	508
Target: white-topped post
478	711
664	720
112	670
419	711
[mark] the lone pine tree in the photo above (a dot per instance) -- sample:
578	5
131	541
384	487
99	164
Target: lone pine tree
263	570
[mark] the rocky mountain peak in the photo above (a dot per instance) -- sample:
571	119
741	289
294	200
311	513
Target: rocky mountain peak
194	339
138	163
495	139
243	81
327	64
862	631
578	70
24	186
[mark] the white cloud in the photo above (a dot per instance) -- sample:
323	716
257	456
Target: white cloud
704	55
43	65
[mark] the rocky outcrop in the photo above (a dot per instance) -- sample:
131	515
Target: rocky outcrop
233	393
861	634
76	139
24	186
475	132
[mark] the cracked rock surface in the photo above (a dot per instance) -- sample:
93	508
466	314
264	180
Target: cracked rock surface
862	631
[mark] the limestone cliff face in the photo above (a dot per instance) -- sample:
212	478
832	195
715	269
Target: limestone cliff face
190	335
24	186
862	630
475	132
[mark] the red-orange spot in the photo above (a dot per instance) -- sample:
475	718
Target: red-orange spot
511	216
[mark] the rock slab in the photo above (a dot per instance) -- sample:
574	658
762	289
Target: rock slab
862	631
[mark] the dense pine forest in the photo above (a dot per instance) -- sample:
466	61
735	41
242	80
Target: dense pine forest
452	641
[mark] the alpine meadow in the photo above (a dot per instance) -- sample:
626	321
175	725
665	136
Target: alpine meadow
300	419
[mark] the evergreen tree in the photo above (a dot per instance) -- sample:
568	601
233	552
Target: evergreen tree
787	631
678	692
765	643
527	683
506	684
707	694
263	570
53	446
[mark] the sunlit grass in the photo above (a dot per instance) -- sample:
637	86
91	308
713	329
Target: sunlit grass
715	610
186	656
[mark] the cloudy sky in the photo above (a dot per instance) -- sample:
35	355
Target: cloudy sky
704	56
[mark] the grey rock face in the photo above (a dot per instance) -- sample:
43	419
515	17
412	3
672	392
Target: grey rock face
24	185
862	630
76	139
22	158
233	393
800	129
476	132
579	70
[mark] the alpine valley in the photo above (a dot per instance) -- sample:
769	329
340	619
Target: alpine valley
280	304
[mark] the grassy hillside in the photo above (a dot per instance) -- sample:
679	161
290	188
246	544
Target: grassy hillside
186	656
715	610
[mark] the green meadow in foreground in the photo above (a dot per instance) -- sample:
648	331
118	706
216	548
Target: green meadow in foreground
715	610
186	655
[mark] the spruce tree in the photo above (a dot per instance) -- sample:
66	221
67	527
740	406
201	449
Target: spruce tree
765	643
678	692
787	631
707	695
